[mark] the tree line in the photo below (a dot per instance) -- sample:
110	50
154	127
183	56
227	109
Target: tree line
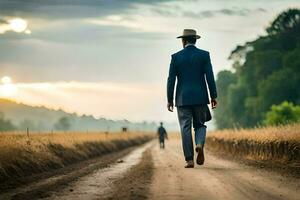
42	119
62	124
263	86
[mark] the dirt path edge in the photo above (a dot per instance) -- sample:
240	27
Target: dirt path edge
135	184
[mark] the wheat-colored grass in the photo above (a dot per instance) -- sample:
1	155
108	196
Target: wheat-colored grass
263	134
266	143
22	154
34	140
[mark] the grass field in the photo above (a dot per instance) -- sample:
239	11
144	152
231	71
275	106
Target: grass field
23	155
269	143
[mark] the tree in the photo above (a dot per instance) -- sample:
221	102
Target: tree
278	87
266	73
285	22
5	125
224	80
283	113
63	124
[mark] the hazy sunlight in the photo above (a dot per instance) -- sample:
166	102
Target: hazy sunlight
7	89
97	98
18	25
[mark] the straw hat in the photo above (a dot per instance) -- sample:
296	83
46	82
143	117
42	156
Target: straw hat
189	33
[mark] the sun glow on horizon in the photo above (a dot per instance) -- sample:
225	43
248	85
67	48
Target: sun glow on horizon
100	99
6	80
7	88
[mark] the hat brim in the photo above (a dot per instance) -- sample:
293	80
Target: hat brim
186	36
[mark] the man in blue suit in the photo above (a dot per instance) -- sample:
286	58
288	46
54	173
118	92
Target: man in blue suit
193	70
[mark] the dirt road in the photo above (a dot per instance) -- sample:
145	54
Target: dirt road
217	179
100	184
150	173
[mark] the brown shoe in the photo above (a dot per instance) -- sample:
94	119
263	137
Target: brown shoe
189	164
200	156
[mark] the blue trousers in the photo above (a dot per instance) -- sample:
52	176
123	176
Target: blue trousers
188	116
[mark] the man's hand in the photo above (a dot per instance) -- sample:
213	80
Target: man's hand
170	107
213	103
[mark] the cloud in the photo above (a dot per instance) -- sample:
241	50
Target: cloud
107	58
167	10
179	11
67	9
115	20
17	25
225	12
50	20
130	24
4	26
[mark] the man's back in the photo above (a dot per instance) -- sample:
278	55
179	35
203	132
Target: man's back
191	66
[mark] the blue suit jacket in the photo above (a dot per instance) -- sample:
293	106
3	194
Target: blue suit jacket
192	68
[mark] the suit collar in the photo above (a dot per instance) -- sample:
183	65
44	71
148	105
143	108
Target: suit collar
189	45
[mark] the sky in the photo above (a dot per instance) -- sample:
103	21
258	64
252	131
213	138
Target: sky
110	58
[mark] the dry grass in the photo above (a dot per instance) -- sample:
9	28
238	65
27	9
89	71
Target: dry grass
270	143
281	133
16	139
22	155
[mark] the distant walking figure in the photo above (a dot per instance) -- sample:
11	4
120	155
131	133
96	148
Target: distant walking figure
193	70
162	135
